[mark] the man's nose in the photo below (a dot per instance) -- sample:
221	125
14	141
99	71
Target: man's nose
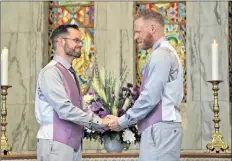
135	37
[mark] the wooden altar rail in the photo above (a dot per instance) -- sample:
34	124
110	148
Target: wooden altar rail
123	155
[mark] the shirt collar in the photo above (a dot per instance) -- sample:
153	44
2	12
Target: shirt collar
157	43
62	61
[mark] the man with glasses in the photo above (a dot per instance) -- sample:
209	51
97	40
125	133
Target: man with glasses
58	101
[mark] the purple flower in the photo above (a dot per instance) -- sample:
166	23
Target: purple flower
96	106
135	92
121	112
91	93
129	85
102	114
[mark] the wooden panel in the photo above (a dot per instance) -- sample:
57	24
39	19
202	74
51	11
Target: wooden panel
122	155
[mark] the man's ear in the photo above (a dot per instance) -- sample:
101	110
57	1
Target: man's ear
60	41
153	28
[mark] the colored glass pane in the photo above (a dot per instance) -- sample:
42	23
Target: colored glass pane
72	3
83	16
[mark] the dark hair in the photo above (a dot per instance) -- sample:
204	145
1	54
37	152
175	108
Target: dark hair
149	14
61	30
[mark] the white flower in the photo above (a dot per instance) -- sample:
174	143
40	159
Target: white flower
88	98
128	136
89	131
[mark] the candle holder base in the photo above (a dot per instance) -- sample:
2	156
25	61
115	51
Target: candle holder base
5	147
217	144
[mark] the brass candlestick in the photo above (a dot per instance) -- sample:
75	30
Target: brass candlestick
5	147
217	144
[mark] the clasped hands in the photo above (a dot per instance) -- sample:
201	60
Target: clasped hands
110	122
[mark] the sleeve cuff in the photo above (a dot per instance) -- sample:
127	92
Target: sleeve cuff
96	122
123	122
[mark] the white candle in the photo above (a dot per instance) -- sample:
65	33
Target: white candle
4	67
215	61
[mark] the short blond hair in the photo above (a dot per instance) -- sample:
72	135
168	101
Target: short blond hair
149	14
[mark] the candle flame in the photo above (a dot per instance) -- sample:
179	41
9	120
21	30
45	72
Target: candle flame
214	41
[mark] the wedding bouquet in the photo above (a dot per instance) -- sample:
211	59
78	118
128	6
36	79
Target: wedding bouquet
111	98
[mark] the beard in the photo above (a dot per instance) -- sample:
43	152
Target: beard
147	42
75	51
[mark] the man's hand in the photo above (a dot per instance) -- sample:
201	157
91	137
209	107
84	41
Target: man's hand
105	123
113	124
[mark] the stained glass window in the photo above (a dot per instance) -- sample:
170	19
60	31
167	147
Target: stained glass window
81	14
174	14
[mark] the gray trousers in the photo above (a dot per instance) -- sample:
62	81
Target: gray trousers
161	142
50	150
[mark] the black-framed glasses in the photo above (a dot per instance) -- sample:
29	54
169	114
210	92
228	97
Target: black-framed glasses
76	40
